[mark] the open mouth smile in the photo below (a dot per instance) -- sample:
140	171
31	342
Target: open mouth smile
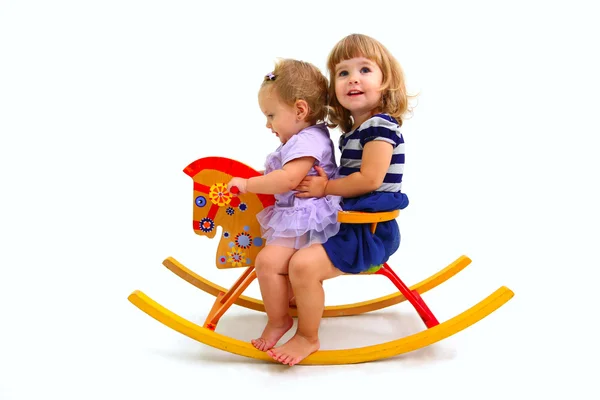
354	93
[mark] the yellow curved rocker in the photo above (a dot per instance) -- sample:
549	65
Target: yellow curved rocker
240	243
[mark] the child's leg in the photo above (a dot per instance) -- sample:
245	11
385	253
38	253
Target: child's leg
288	242
307	270
271	271
291	297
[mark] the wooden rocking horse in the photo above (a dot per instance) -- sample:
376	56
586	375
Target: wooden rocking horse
238	246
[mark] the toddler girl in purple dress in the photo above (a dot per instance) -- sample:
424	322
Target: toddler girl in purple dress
293	98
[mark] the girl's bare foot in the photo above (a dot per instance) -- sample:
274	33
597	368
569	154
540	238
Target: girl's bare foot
272	333
295	350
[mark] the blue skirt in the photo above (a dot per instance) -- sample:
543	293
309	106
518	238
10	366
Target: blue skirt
355	249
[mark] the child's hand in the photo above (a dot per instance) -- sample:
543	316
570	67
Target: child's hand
240	183
313	186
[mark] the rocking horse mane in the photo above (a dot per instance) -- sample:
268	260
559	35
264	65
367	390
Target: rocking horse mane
231	166
219	163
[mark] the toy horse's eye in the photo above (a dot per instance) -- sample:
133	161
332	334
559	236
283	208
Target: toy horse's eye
200	201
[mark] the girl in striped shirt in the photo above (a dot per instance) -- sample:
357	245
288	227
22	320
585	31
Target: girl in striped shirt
367	99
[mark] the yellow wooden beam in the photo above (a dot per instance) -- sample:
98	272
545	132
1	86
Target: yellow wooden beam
330	311
328	357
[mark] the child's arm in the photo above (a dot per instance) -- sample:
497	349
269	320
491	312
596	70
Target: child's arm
376	159
278	181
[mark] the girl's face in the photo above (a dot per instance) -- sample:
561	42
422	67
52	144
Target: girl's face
282	119
357	84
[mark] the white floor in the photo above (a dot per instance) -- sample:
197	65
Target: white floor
102	106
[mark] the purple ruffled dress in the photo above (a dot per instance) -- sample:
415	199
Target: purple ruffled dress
300	222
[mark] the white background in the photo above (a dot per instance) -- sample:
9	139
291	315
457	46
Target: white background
103	103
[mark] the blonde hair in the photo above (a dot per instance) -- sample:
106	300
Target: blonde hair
394	99
299	80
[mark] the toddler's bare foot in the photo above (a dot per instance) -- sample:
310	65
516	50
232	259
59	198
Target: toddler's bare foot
272	333
295	350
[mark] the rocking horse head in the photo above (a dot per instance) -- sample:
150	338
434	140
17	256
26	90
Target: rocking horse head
214	205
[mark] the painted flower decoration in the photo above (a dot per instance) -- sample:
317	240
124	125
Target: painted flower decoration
206	225
243	240
236	256
219	194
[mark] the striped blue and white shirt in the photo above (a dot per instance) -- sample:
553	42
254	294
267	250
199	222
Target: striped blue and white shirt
378	127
